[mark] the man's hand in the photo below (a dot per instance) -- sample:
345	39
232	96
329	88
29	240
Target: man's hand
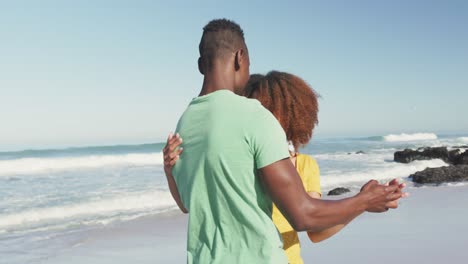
381	197
171	152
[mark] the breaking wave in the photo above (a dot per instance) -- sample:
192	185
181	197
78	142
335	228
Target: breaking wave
89	211
409	137
40	165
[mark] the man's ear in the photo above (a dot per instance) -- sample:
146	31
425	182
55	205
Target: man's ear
200	66
239	59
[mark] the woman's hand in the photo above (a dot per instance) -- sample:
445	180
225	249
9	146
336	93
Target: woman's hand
172	152
171	155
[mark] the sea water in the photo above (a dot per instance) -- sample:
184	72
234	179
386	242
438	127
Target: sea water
47	194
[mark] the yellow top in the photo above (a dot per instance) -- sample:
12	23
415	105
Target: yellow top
308	169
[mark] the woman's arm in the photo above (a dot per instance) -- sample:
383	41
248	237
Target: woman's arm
314	184
171	155
175	192
317	237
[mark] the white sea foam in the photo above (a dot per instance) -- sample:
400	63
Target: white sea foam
121	205
386	171
349	170
344	156
39	165
409	137
456	184
463	139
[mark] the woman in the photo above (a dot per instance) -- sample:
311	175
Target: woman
294	103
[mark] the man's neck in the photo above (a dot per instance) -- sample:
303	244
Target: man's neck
216	80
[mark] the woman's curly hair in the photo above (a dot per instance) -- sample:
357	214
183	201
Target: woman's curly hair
290	99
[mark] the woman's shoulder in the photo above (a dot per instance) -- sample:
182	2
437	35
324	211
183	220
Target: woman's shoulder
306	159
307	164
309	171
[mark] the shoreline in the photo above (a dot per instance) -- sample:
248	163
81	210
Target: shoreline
427	227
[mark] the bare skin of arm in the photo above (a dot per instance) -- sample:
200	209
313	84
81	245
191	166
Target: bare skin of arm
171	155
305	213
286	189
317	237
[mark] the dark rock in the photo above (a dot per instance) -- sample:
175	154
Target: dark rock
455	147
338	191
357	152
441	175
458	157
408	155
454	154
463	158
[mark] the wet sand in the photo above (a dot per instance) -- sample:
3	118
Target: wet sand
429	227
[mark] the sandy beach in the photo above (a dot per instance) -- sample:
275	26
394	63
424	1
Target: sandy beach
95	91
112	205
429	227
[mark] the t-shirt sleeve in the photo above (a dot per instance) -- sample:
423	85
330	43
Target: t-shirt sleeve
312	175
267	139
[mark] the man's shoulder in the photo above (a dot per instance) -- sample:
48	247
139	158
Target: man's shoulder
227	99
239	110
250	109
248	103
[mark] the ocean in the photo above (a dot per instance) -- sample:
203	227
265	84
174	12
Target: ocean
54	193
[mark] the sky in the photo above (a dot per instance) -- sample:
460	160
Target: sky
76	73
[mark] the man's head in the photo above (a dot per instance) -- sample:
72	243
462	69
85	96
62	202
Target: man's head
223	44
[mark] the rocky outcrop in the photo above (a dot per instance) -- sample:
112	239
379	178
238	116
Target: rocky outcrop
457	156
441	175
357	152
338	191
409	155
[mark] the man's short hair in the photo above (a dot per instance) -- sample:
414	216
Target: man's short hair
221	37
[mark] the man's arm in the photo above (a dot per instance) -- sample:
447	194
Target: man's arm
320	236
317	237
306	213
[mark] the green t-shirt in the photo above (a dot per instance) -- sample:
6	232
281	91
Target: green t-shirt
226	139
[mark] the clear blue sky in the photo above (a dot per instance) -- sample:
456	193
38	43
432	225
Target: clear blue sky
111	72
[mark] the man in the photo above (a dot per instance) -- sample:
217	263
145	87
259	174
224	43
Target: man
236	163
